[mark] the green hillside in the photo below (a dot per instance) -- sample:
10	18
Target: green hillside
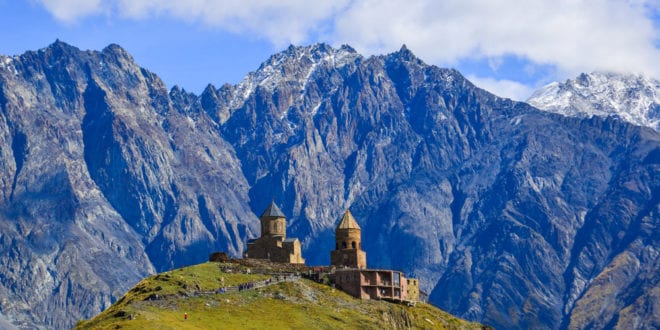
160	301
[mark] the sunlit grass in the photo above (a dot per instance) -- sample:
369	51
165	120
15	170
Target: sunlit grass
287	305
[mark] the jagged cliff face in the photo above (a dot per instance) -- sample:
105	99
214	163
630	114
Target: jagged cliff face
510	216
103	182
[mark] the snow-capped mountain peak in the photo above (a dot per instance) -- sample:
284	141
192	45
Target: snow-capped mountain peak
633	98
295	64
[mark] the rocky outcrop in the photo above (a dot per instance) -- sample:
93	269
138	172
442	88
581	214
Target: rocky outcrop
510	216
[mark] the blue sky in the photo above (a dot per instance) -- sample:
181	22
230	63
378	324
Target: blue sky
509	47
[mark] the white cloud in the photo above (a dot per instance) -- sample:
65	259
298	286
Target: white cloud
69	11
575	36
282	22
503	88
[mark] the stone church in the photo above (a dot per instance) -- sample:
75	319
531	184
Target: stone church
273	244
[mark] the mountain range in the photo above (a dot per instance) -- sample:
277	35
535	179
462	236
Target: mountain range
509	215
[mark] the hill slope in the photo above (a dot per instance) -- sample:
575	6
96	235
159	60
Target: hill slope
160	301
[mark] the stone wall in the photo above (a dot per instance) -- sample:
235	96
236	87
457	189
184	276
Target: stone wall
351	258
276	250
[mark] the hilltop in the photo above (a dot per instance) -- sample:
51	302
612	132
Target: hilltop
271	301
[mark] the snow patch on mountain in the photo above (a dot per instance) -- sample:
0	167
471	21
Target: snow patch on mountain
294	65
6	63
4	60
633	98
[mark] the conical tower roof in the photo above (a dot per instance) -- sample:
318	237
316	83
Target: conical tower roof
348	222
272	211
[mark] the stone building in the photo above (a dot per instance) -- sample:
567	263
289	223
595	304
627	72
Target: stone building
413	289
273	244
352	276
348	248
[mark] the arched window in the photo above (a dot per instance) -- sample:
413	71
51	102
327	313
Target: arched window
337	246
343	245
353	245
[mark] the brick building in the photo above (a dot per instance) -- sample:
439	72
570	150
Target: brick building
372	283
273	244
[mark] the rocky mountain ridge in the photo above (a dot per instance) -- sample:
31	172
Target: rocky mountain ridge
88	144
510	216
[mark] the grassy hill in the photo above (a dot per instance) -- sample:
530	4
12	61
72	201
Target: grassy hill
160	301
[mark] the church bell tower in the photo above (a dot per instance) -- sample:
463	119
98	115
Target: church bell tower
348	248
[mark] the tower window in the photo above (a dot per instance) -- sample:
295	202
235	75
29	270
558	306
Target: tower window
343	245
353	244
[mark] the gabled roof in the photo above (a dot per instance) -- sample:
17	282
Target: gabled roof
348	222
272	211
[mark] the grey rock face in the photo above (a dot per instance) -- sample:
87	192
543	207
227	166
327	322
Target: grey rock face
103	182
510	216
